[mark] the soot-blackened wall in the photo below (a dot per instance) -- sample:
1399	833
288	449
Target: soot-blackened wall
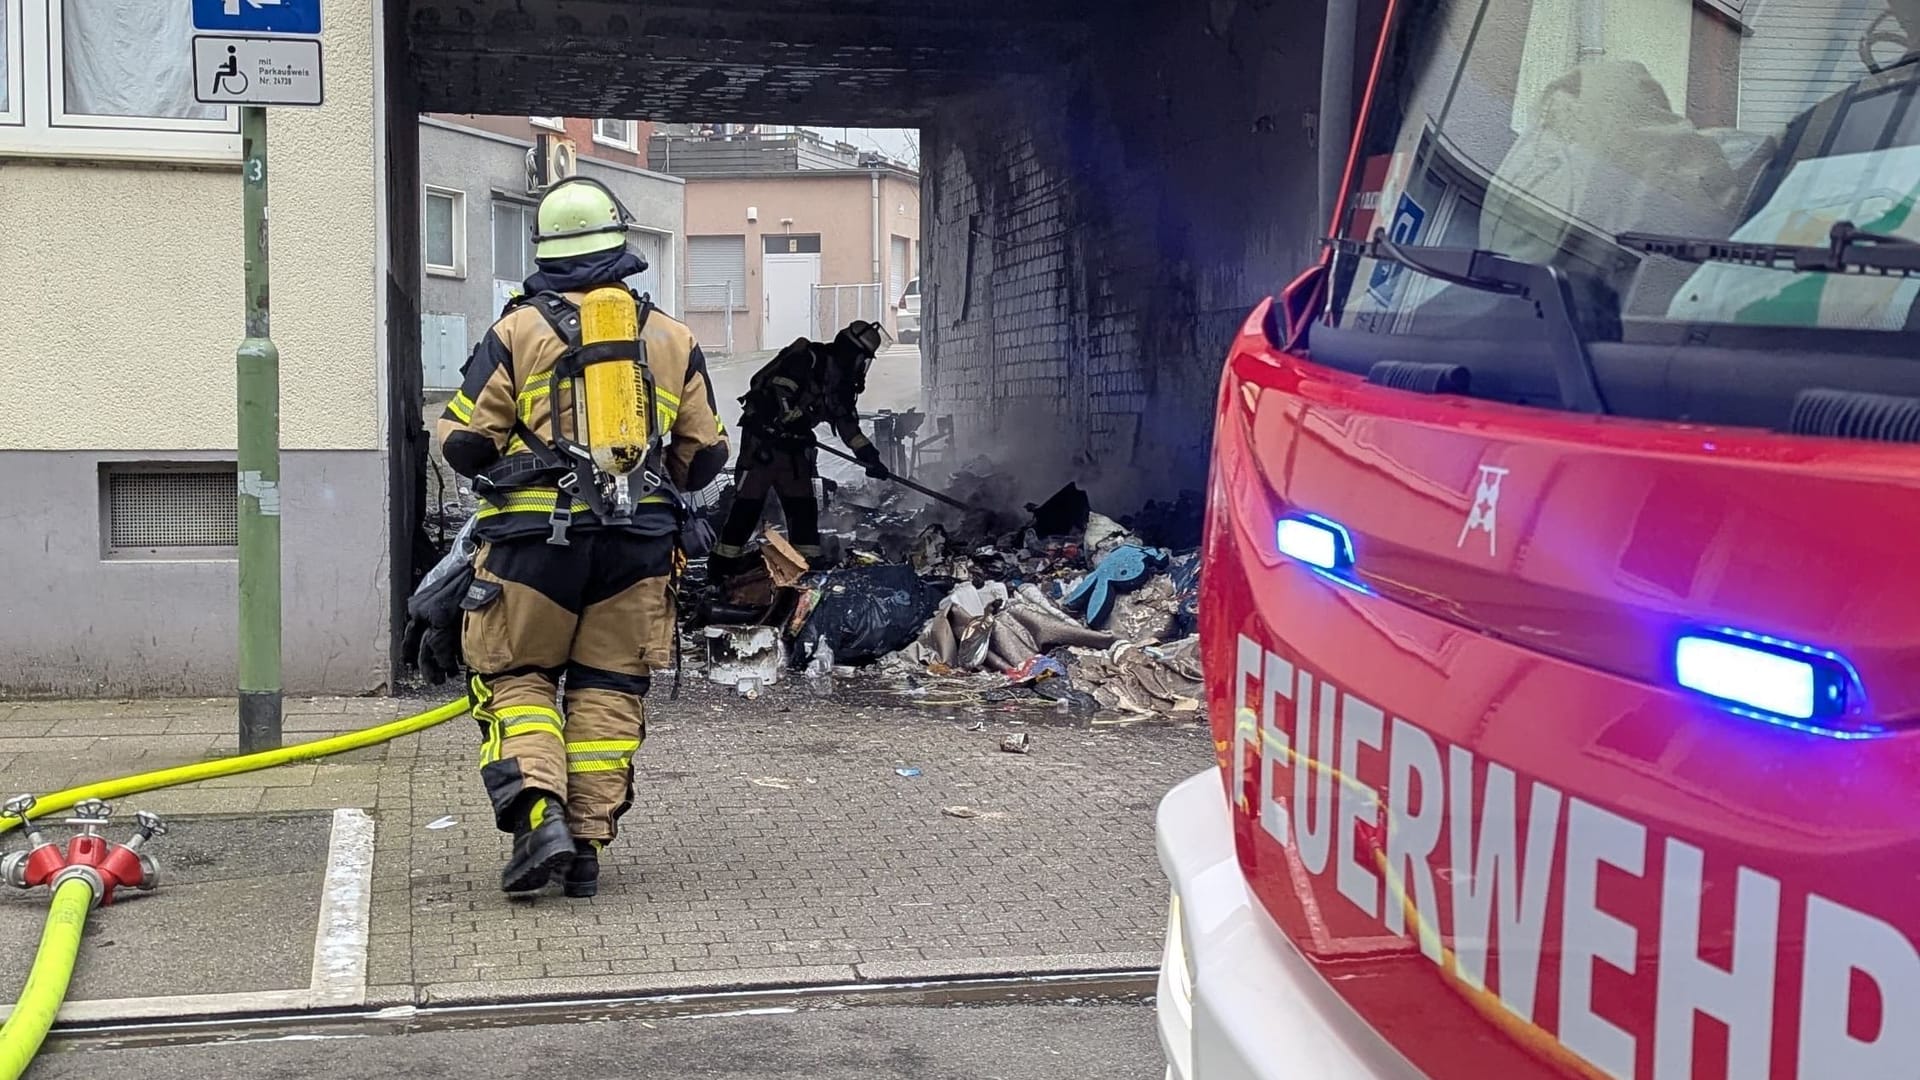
1092	250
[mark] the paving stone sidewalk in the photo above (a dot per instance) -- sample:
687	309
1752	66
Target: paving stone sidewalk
771	843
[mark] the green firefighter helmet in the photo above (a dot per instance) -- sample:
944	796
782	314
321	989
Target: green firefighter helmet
579	216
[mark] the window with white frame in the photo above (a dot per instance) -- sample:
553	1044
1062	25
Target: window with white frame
443	218
614	133
9	62
115	80
557	123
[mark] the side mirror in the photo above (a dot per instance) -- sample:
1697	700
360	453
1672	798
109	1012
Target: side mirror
1293	313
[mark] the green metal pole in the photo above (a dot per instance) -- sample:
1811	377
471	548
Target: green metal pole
259	388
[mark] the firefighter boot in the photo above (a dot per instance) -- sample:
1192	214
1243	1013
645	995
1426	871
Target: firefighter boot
583	875
541	845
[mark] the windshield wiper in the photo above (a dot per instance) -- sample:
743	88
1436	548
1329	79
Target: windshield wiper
1547	287
1849	250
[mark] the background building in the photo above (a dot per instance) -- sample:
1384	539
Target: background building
622	142
122	200
789	235
477	211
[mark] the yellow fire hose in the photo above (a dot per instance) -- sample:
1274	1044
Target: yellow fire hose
32	1017
234	766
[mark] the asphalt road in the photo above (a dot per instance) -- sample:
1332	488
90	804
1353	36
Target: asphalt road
958	1042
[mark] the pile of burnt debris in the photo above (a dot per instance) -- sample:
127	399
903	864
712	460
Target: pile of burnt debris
1052	604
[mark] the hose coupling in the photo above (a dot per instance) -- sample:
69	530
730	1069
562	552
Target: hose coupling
81	873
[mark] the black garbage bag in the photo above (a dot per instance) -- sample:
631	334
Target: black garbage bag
1064	514
867	612
1079	702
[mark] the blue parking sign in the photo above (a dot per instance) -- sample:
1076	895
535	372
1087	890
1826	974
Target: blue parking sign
257	16
1407	219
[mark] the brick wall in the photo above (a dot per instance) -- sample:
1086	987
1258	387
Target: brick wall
1092	246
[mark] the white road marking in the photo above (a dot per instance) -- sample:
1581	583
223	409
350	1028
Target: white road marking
346	902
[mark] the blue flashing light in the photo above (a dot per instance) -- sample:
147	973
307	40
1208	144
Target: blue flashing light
1771	679
1312	539
1753	677
1323	545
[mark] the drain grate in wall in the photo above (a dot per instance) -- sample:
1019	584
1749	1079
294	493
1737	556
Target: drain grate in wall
171	509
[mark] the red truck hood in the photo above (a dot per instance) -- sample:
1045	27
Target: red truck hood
1466	783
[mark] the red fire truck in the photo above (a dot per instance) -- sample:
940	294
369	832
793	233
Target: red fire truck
1561	602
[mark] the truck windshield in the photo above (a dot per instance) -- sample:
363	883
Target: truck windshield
1546	129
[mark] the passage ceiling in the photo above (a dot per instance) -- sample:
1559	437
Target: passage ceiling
844	62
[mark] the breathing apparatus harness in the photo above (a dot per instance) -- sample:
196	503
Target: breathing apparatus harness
565	461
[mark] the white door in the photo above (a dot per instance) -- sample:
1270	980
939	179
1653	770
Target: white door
789	281
897	272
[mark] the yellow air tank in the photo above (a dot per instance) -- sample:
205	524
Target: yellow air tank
613	392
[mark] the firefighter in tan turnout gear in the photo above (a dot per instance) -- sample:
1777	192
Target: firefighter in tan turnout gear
583	417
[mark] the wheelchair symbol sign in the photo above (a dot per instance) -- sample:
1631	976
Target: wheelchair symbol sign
1408	217
275	71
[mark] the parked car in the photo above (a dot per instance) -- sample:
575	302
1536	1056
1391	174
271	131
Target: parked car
1560	622
907	321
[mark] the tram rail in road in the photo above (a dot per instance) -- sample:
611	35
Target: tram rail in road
1117	986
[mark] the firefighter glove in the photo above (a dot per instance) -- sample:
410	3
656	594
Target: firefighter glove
870	457
439	655
696	537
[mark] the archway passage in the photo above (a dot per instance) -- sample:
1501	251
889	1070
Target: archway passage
1107	190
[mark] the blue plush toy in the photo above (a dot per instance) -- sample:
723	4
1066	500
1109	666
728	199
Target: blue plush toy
1122	571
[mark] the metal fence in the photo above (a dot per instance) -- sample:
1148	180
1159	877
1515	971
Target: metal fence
718	297
834	306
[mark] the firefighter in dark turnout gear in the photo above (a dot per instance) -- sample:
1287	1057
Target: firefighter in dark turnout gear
806	385
581	515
